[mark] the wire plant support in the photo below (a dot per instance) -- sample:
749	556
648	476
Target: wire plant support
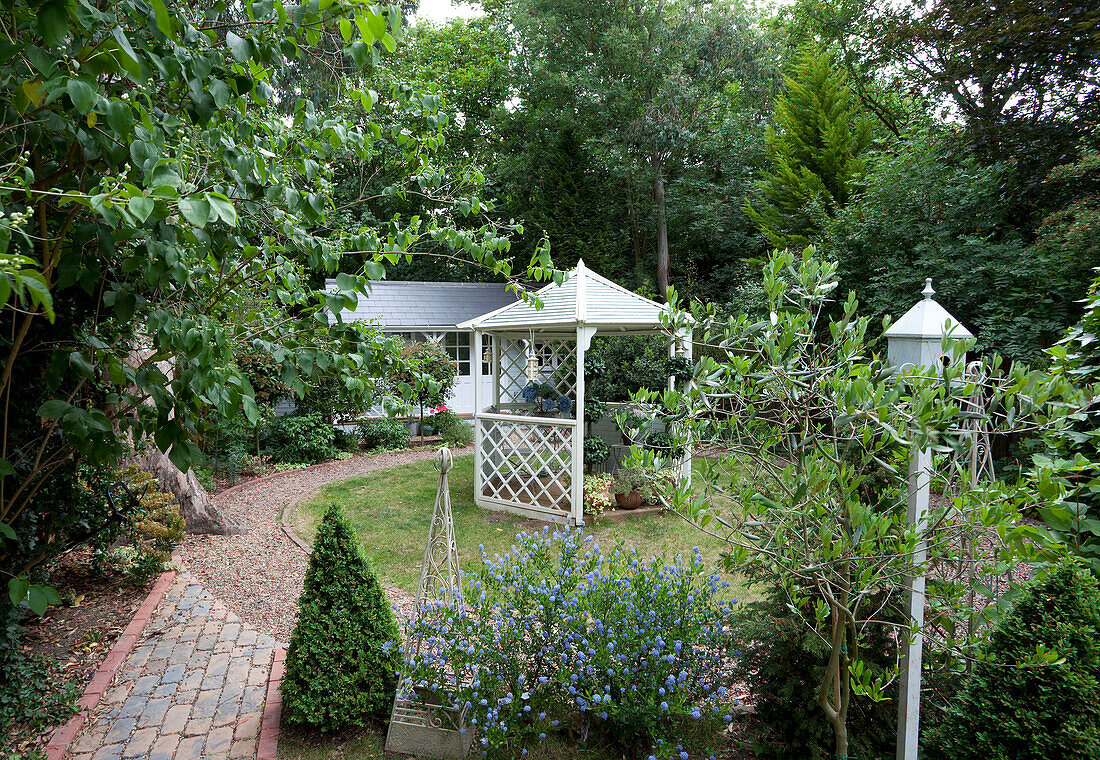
420	723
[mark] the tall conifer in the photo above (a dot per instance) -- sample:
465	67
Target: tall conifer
817	145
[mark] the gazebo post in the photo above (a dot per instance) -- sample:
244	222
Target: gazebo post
576	482
475	360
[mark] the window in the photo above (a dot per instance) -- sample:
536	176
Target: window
457	345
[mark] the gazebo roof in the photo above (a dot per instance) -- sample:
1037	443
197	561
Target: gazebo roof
585	298
927	320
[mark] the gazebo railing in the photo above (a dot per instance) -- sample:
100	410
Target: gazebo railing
526	464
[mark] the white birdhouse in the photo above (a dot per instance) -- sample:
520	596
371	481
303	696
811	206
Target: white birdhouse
917	338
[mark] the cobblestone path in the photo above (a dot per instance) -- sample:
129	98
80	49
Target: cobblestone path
192	688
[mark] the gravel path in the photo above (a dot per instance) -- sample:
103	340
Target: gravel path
258	574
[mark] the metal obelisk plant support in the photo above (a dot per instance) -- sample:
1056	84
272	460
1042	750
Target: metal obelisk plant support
420	723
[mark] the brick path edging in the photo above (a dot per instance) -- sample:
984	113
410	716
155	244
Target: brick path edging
64	735
273	709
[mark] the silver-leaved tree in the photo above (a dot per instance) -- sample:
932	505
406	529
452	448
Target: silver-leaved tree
806	436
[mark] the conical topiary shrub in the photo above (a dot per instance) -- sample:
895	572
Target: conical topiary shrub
1013	710
343	656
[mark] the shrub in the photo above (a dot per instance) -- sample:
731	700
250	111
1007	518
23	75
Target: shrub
343	655
628	479
344	441
596	450
1012	707
442	419
386	434
782	664
558	637
305	438
459	435
597	494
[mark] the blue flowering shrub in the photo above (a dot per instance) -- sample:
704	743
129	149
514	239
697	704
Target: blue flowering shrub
559	638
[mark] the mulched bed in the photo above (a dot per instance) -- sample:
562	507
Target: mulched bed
77	636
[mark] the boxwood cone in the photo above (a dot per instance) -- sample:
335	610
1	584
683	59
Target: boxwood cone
1013	709
342	660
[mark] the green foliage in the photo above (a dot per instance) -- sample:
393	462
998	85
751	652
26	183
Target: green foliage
596	450
925	210
386	434
458	435
31	700
1035	692
299	438
782	663
617	367
1067	475
430	376
344	653
629	479
817	153
167	239
805	415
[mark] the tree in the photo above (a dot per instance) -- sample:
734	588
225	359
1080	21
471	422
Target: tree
1022	76
150	190
342	662
808	437
817	153
633	101
927	209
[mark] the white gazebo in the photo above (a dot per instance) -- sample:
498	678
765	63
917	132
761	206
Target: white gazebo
529	451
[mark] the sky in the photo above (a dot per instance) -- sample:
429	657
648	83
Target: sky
441	10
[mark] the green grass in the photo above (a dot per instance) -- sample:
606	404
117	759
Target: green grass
390	511
363	744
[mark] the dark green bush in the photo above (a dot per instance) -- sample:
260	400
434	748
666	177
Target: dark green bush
596	450
342	440
1012	709
782	664
343	656
459	434
387	434
305	438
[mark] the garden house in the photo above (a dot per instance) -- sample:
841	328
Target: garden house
429	311
529	417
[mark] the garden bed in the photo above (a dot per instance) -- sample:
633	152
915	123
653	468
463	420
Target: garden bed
76	636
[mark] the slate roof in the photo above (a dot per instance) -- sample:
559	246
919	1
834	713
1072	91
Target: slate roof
415	305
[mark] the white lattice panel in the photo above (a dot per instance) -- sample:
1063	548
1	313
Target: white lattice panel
528	464
557	366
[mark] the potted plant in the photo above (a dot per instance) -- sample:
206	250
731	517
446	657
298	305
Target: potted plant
631	486
548	402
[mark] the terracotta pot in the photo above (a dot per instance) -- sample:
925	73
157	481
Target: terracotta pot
631	500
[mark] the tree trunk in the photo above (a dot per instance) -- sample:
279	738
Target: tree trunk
198	510
662	225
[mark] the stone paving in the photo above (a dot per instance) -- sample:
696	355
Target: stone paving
193	688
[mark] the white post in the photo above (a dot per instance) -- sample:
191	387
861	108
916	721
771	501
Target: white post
920	478
475	360
577	479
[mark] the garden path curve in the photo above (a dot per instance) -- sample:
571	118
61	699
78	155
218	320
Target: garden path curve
258	574
195	684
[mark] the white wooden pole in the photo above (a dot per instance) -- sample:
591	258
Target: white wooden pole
920	479
475	360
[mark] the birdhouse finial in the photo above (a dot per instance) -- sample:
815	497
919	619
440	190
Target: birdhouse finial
928	292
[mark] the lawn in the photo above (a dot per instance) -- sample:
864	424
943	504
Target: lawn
390	511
